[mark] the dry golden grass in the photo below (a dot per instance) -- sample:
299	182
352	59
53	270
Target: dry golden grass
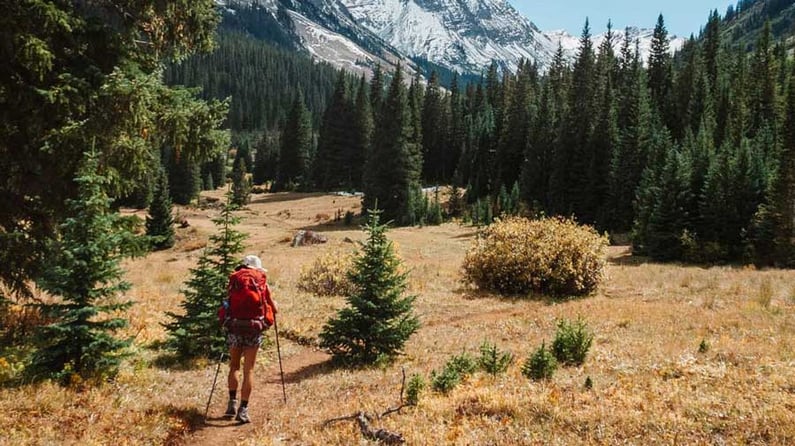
650	383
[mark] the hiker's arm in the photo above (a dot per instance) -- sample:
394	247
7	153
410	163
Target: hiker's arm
267	295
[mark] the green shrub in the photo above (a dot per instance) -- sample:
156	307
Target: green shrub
415	386
445	381
492	360
551	255
454	371
464	364
327	275
433	215
572	342
540	365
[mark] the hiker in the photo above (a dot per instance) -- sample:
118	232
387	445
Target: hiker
246	314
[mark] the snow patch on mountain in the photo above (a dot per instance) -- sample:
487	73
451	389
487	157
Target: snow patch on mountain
331	47
571	44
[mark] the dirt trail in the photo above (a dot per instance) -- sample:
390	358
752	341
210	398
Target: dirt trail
267	387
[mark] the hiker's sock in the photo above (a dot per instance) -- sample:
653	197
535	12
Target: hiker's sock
243	403
233	394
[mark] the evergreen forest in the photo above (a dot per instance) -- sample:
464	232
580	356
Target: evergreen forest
690	153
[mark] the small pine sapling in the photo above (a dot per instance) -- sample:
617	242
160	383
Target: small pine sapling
492	360
241	186
540	365
160	221
572	342
455	370
445	381
414	388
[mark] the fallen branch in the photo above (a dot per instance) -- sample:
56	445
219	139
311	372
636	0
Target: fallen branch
378	434
364	420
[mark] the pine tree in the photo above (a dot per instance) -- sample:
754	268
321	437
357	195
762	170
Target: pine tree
572	157
244	153
217	168
87	276
195	332
764	73
712	50
266	161
362	137
537	170
379	319
684	87
457	130
605	137
629	158
669	217
183	177
296	146
782	196
332	165
160	221
79	72
434	140
377	92
717	229
241	186
416	95
660	79
648	190
516	134
391	176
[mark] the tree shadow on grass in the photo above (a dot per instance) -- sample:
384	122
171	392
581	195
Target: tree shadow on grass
307	372
166	360
628	259
546	299
186	420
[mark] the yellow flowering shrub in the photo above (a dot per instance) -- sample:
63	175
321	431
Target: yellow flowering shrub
327	275
553	256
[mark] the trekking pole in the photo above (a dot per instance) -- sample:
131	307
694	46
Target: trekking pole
212	390
279	354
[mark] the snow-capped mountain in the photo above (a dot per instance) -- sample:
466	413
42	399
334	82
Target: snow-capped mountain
464	35
571	43
460	35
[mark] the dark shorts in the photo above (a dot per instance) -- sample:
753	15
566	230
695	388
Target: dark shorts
236	340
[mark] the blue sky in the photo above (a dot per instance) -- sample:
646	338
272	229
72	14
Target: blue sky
682	17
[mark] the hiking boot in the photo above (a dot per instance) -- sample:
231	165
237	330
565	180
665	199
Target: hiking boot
242	415
230	409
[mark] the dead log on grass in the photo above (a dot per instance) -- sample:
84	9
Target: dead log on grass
364	420
368	432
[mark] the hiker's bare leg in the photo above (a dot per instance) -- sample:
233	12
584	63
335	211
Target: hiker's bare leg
234	365
249	358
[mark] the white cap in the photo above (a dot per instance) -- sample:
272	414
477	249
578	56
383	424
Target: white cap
253	261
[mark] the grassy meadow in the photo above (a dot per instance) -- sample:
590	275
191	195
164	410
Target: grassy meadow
681	354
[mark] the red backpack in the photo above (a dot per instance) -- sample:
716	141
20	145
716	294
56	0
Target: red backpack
248	299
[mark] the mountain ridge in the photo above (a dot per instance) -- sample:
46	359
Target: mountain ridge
462	36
